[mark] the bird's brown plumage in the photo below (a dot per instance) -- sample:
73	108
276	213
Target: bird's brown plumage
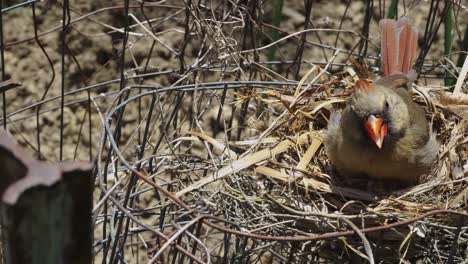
408	148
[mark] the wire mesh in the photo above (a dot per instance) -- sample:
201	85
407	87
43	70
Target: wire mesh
124	84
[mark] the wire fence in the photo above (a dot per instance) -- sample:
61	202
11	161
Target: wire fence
159	95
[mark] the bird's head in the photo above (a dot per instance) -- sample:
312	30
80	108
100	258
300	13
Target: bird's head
380	112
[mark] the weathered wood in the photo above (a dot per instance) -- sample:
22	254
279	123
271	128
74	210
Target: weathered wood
45	208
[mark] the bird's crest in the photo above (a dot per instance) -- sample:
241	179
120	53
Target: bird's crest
363	85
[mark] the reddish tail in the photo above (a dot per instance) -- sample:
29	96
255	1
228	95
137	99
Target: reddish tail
399	42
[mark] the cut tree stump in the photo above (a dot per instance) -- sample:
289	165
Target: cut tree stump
45	209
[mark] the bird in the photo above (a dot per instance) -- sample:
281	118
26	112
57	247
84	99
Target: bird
381	133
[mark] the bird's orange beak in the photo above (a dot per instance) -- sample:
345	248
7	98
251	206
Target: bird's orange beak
376	129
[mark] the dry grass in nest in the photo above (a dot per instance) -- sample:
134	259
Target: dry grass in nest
284	185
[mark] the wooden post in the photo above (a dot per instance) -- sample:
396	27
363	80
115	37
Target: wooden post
45	208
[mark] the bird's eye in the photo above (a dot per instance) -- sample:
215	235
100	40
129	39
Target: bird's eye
386	105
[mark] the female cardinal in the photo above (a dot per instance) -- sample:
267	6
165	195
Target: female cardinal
382	133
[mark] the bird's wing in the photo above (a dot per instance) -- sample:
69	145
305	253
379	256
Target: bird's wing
333	136
394	81
417	138
428	153
334	122
405	95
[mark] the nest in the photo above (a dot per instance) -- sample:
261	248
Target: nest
279	184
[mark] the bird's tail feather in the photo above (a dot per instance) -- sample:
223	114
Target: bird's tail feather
399	42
